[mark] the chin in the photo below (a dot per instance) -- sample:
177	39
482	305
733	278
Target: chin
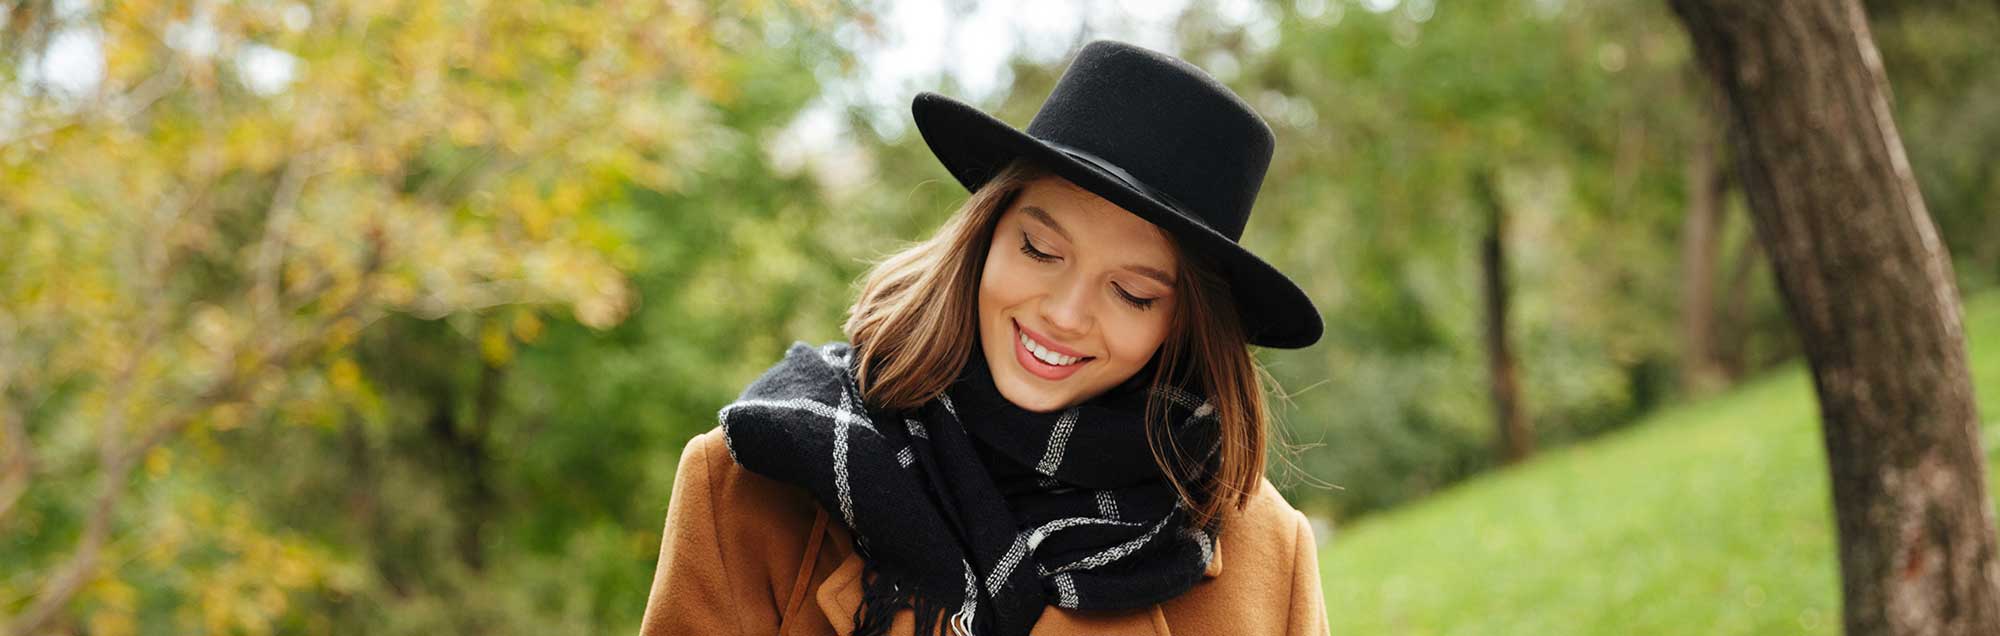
1021	388
1028	397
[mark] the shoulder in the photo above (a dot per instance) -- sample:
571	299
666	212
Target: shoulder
733	547
755	518
1267	535
704	456
1264	548
1268	517
708	460
759	522
806	371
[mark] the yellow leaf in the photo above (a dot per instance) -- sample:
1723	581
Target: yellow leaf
527	327
114	593
225	416
467	129
568	198
343	333
495	346
158	462
345	376
535	220
112	623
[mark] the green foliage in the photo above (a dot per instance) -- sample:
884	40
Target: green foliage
262	360
1712	517
1583	114
1575	113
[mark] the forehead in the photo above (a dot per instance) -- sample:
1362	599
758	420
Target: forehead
1091	220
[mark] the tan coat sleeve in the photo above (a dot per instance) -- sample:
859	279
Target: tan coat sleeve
692	592
1308	615
733	559
1268	583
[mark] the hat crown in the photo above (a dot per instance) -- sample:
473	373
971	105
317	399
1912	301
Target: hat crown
1185	137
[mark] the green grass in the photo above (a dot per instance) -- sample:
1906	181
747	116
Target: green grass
1710	518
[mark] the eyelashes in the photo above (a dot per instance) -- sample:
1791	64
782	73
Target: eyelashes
1142	303
1028	248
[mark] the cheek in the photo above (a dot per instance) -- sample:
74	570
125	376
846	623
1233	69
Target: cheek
1001	283
989	281
1137	335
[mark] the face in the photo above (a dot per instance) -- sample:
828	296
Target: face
1076	296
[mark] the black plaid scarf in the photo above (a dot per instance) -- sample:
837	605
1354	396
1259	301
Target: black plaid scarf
972	510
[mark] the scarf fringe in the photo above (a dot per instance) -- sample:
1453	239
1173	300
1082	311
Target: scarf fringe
883	594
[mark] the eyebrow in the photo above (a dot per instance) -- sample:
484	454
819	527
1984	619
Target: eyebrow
1043	216
1046	219
1152	273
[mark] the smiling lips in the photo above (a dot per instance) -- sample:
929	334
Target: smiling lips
1046	361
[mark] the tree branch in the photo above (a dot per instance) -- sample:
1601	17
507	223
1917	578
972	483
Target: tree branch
20	460
270	248
119	461
123	107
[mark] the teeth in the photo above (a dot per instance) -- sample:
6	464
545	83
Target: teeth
1046	355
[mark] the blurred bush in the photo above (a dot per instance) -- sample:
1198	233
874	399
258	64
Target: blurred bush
271	270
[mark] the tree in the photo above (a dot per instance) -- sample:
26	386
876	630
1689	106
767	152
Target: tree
1701	238
199	229
1869	285
1389	122
1516	440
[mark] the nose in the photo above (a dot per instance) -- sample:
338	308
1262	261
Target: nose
1066	310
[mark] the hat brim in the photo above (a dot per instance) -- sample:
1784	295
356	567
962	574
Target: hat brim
974	146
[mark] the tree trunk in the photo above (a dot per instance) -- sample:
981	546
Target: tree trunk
1869	286
1699	236
1732	355
463	448
1517	441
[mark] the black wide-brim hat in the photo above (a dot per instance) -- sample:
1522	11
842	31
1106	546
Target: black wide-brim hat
1158	137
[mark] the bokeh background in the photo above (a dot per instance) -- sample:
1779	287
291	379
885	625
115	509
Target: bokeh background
391	317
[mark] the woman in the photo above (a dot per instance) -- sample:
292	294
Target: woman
1049	419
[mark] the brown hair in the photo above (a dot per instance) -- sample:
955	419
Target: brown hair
915	324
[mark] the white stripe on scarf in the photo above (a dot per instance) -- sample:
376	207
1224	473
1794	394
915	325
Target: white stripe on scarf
1119	551
1026	542
1058	442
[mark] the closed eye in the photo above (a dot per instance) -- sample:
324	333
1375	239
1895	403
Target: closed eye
1028	247
1142	303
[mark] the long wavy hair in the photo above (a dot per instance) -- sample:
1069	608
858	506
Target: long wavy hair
915	324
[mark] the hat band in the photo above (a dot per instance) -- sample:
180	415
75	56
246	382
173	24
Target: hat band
1123	177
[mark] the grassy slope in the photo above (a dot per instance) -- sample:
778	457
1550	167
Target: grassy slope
1713	518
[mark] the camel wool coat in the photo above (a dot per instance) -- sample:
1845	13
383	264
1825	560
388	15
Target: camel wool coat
745	555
